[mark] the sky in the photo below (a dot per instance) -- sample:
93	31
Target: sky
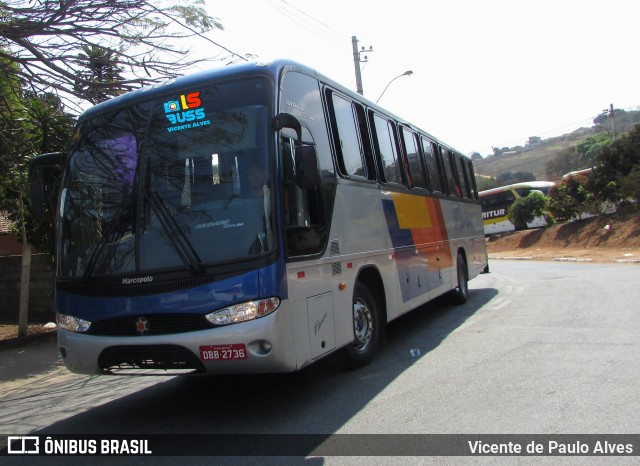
486	74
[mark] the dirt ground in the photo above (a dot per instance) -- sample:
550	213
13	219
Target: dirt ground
599	239
35	332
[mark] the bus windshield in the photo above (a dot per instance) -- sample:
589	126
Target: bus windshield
182	181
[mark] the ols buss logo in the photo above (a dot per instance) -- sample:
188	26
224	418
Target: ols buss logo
185	109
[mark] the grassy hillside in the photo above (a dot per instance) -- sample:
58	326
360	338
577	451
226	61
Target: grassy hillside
532	161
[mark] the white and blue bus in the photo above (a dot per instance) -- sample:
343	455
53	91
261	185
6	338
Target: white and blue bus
252	219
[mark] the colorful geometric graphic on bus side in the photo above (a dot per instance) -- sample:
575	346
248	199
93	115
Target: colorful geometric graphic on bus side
419	237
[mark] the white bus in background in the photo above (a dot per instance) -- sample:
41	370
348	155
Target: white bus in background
496	202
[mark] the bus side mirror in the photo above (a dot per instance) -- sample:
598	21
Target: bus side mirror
286	120
45	172
307	174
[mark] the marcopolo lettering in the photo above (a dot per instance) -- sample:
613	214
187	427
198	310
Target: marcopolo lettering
137	280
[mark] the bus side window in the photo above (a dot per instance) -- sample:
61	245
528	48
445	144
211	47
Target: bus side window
386	150
346	137
472	179
365	138
413	158
507	197
431	164
462	176
304	214
453	188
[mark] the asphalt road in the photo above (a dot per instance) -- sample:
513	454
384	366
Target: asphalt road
540	348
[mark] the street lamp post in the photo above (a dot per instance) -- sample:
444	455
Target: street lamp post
406	73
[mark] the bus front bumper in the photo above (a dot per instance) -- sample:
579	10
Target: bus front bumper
260	346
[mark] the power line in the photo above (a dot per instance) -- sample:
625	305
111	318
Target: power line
340	35
315	27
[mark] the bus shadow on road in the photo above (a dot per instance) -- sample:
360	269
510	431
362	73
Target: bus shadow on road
313	403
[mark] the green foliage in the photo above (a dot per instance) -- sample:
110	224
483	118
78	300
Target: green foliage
570	198
32	124
507	178
100	75
589	148
582	155
630	185
622	120
485	182
616	167
525	209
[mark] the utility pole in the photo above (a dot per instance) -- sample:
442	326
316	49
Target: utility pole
610	112
613	126
357	60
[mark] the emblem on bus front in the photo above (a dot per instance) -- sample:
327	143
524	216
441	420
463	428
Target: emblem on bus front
142	325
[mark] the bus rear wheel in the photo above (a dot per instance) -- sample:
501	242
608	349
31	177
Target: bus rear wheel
460	293
366	329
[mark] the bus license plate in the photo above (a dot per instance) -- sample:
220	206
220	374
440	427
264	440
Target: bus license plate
223	352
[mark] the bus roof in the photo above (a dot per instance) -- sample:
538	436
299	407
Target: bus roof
524	184
273	69
585	171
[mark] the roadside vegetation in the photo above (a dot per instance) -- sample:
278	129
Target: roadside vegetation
613	185
56	59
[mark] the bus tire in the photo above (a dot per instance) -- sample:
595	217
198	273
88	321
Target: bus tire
460	294
366	329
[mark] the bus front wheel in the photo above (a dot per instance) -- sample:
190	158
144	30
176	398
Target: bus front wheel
366	329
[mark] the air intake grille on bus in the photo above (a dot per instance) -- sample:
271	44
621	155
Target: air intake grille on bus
336	267
157	324
165	357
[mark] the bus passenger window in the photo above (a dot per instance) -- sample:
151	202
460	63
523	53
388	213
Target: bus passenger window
366	142
462	176
431	164
413	157
386	151
346	137
472	179
454	188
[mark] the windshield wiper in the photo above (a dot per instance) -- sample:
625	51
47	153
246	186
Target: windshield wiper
175	235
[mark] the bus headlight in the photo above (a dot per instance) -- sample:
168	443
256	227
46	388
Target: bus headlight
244	311
73	324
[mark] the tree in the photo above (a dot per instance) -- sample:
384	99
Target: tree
525	209
29	124
615	166
485	182
567	160
569	198
580	156
123	43
514	177
630	185
39	125
101	68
